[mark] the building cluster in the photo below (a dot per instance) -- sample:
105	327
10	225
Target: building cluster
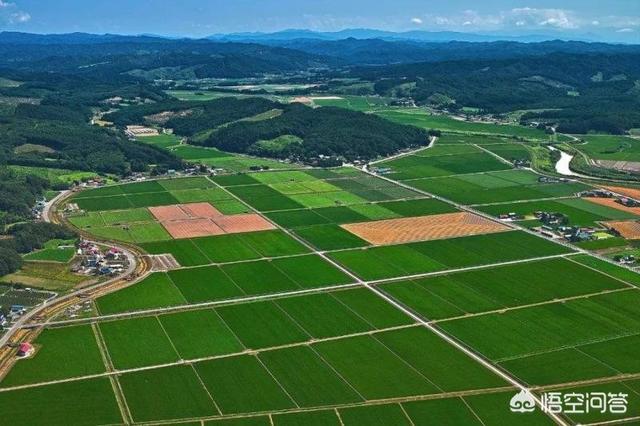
522	163
93	182
9	316
96	260
551	179
603	193
134	132
555	225
625	259
596	193
380	170
36	211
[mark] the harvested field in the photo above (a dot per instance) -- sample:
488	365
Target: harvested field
164	213
610	202
191	228
627	192
423	228
243	223
204	210
185	211
629	229
202	219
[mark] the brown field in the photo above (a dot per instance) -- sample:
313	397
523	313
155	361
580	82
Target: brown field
205	210
202	219
184	211
423	228
627	192
610	202
243	223
164	213
192	228
629	229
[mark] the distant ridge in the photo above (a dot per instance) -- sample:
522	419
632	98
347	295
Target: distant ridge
416	35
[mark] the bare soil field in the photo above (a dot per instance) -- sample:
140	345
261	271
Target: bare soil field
191	228
629	229
202	219
423	228
243	223
610	202
165	213
627	192
204	210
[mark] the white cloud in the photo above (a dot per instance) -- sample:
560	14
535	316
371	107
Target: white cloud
523	17
417	21
19	17
533	19
10	13
557	18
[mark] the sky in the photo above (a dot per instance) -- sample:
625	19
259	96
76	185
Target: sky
199	18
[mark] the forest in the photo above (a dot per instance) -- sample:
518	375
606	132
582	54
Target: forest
189	118
18	194
328	131
48	124
150	57
580	93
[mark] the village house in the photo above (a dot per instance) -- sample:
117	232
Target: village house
25	350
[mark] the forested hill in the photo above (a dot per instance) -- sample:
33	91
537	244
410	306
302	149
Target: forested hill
380	52
308	134
189	118
598	92
150	57
45	121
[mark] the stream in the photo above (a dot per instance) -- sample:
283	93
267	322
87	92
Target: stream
562	166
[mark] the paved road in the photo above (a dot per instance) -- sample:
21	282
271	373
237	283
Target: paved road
431	325
308	291
432	142
47	216
513	225
425	322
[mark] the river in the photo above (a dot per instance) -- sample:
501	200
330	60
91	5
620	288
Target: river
562	166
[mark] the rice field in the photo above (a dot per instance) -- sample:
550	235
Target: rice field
312	323
420	118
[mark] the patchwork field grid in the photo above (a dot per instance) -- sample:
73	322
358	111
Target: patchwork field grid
352	279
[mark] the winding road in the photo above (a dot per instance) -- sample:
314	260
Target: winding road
48	215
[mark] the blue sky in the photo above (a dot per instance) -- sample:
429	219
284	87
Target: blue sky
204	17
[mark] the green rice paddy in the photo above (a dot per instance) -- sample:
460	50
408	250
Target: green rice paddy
259	328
